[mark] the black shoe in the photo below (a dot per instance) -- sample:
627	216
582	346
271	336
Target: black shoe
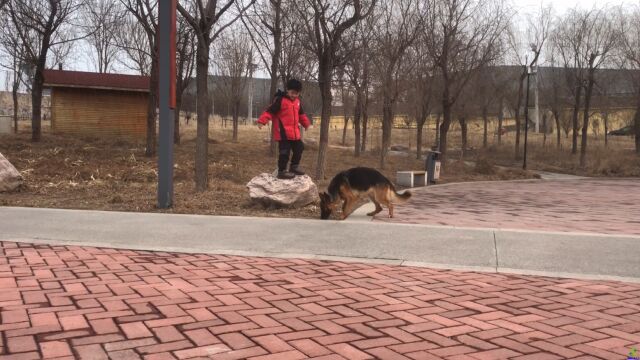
296	170
285	175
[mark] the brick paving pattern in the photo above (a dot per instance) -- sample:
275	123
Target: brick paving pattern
606	206
90	303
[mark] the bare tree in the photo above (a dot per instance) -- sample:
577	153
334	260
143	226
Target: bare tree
630	31
538	30
554	94
265	23
16	53
234	56
399	24
424	89
132	40
347	103
568	39
357	70
185	62
146	12
325	23
103	18
601	38
40	26
464	35
487	93
208	22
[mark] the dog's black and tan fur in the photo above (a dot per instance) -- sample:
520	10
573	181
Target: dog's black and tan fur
358	183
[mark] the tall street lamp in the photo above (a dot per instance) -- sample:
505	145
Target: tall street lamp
531	70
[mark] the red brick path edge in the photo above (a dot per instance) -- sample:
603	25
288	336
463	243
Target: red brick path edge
93	303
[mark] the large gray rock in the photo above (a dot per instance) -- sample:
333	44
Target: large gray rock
10	178
270	191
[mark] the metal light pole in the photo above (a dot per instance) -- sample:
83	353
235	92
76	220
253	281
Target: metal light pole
252	68
167	99
530	70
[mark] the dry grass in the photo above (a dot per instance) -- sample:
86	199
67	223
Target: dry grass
89	173
67	172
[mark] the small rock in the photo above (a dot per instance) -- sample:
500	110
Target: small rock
10	178
270	191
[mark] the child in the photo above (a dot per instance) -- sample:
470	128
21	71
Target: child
286	115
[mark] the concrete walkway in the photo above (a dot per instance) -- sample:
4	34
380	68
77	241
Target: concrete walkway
573	255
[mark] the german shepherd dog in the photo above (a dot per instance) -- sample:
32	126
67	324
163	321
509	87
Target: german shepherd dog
357	183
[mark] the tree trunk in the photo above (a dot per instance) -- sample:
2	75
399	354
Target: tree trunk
357	111
636	125
236	110
437	140
500	119
576	111
444	128
387	120
606	128
176	122
325	72
544	129
365	123
485	120
14	95
519	104
344	129
556	115
463	130
202	137
420	127
151	109
275	64
585	121
36	110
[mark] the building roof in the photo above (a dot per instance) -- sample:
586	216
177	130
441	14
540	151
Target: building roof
89	80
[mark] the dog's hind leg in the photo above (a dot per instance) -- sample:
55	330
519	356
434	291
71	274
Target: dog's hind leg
378	206
390	209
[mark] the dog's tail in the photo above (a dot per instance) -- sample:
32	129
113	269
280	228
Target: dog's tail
400	198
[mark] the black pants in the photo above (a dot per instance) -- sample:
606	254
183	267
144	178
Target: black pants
286	146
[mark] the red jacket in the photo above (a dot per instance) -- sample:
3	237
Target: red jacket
287	112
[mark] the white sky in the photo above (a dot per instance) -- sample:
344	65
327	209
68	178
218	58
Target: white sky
560	6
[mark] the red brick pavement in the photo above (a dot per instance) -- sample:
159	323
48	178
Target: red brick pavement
607	206
80	302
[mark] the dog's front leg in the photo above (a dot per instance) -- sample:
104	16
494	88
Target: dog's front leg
347	208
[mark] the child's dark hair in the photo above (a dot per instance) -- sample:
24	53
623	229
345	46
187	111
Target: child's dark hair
294	84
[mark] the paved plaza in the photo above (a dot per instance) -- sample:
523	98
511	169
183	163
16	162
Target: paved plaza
606	206
89	303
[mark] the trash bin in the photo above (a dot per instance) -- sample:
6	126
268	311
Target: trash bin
432	166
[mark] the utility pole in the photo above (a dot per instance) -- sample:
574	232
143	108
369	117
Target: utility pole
167	99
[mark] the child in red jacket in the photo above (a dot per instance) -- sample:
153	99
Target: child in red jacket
286	115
